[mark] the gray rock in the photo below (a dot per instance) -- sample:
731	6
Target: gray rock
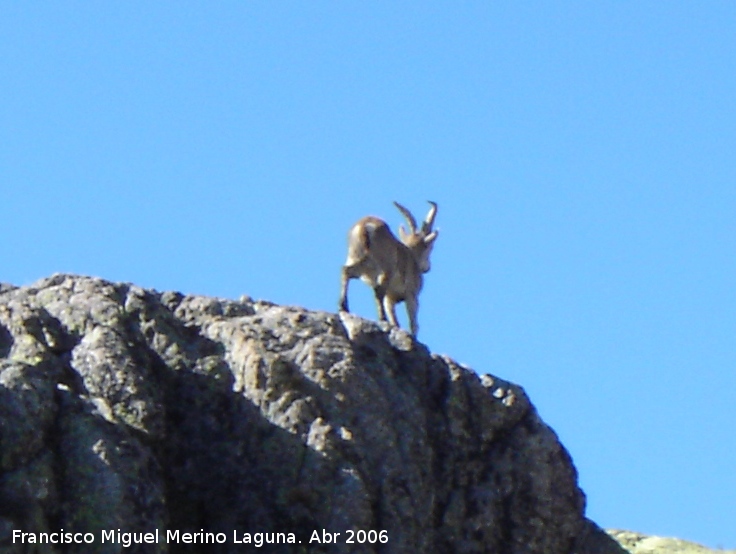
637	543
133	410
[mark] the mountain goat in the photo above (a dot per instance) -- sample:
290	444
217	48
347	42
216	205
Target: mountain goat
392	268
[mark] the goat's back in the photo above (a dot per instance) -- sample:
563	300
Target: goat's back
371	237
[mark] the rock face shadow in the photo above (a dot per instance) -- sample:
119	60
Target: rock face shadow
6	342
229	470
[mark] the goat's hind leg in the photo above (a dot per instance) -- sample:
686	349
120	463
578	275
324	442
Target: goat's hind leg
347	273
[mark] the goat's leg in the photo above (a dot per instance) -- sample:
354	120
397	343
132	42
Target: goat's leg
380	294
345	276
412	306
389	305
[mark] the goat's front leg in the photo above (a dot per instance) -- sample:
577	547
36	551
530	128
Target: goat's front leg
380	294
389	305
412	306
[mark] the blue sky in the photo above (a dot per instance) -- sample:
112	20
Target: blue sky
582	156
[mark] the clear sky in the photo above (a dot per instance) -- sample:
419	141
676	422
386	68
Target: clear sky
582	155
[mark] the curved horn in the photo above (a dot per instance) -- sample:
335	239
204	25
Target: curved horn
409	218
429	220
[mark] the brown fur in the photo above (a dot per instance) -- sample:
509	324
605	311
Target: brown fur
392	268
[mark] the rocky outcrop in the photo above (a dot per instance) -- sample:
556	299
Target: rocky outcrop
636	543
130	415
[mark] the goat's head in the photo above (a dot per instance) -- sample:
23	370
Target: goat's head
419	241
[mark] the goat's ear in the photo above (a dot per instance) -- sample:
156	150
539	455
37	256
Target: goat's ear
402	233
431	237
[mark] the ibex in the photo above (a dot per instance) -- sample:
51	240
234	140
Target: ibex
391	267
